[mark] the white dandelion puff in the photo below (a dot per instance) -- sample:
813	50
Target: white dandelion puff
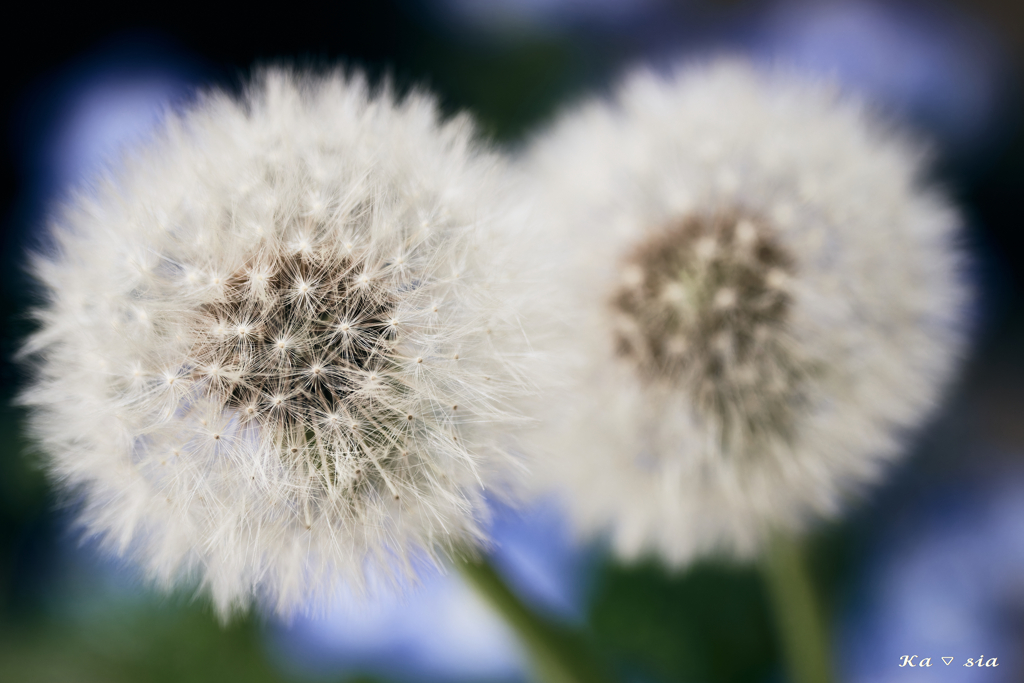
243	407
764	296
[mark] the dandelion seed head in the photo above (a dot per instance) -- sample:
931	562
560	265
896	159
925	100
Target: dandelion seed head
266	342
757	295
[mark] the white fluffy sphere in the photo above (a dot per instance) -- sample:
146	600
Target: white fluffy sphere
762	297
280	345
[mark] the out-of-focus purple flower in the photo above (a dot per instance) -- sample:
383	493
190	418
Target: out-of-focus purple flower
107	112
950	586
83	115
931	65
79	118
441	630
535	551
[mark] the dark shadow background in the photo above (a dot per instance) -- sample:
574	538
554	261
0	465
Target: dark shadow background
710	624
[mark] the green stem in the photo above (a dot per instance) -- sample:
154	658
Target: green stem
801	628
558	654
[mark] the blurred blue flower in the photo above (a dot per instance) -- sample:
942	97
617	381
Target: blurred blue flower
537	555
83	115
441	630
930	65
104	114
438	631
952	584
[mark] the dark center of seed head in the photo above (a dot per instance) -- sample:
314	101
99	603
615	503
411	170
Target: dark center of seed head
702	307
298	334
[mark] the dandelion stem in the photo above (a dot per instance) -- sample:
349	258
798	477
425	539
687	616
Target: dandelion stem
558	654
797	615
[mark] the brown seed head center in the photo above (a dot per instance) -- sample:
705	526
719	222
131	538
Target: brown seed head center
702	306
293	337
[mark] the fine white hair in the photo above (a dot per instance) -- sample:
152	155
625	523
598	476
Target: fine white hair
696	420
280	344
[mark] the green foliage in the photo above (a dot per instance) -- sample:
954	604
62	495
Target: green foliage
508	87
138	643
710	624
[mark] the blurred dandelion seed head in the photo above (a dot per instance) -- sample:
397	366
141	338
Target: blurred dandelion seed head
760	297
